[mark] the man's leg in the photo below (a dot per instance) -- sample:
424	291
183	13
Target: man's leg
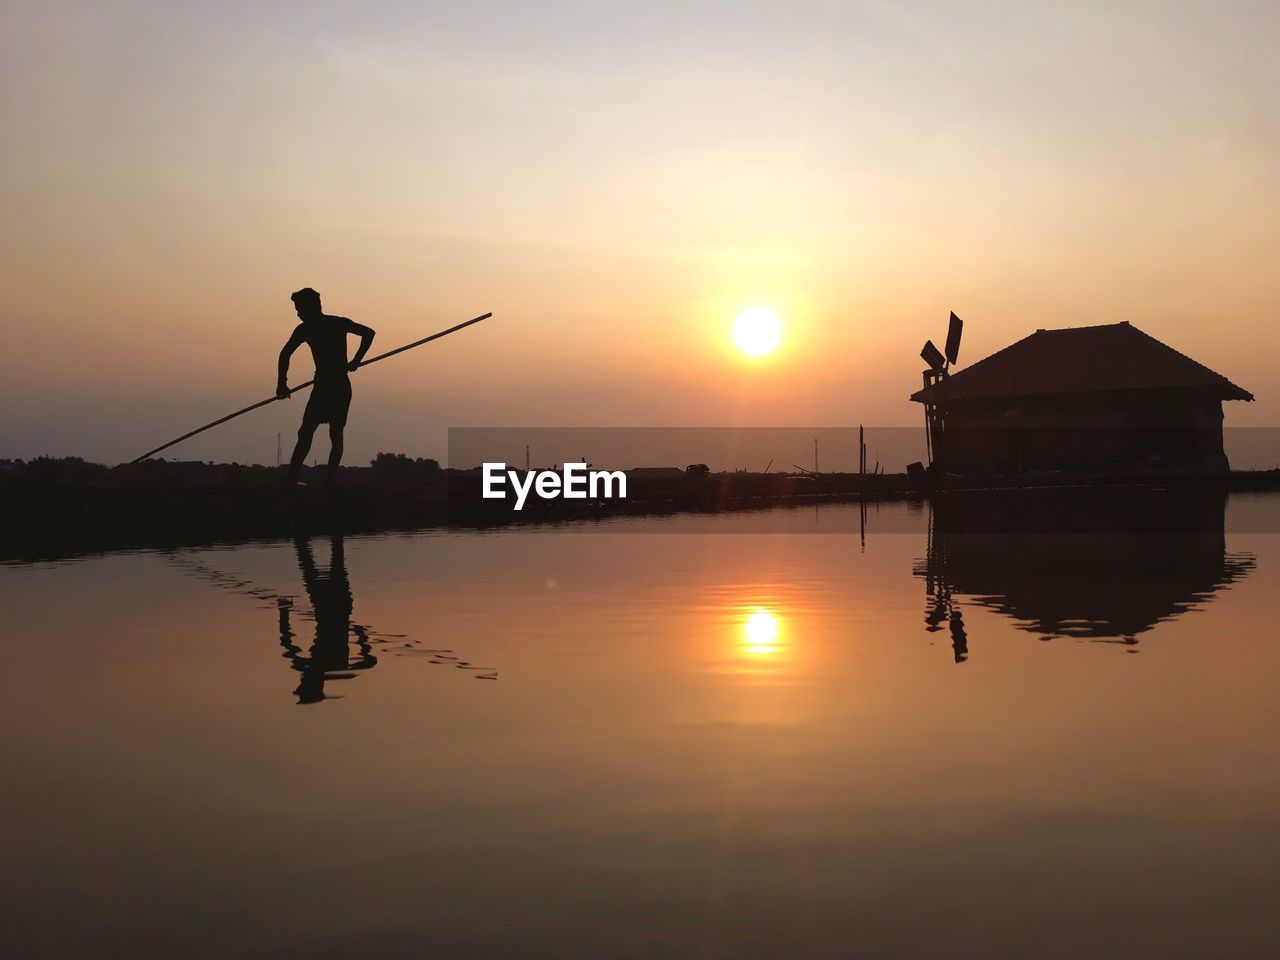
305	433
335	449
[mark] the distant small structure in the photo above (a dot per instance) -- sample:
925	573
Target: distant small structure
1082	398
655	473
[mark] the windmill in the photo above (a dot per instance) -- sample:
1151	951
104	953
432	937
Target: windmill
940	365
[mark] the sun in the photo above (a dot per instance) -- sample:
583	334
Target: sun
757	331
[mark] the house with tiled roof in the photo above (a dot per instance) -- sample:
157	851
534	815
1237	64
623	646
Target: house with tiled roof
1101	398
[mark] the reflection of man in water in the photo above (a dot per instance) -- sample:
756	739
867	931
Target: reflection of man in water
331	394
330	595
944	608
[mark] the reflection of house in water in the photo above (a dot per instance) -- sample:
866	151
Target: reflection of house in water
1098	564
1084	398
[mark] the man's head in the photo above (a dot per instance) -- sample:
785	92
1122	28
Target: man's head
307	302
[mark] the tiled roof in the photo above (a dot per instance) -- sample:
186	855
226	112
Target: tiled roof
1114	357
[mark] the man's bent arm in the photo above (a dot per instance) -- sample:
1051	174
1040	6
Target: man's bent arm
366	341
282	368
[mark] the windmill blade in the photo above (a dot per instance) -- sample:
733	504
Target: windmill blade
953	337
931	356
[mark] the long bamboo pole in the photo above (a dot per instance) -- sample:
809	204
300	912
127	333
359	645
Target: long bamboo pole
303	386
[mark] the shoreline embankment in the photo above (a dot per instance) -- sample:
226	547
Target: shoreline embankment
49	520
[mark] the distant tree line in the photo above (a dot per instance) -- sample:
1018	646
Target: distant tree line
400	467
54	469
396	467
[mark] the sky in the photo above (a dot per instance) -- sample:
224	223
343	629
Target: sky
615	182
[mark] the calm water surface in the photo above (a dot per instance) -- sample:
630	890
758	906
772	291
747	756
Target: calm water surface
739	742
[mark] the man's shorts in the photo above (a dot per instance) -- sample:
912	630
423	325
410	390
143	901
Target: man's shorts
328	403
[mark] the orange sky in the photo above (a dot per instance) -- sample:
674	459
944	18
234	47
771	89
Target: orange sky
615	183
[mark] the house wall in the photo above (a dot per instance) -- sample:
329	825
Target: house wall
1138	430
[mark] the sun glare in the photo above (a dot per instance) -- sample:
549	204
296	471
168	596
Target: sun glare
757	331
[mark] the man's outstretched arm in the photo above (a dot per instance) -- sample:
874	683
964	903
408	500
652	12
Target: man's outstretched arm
366	341
282	368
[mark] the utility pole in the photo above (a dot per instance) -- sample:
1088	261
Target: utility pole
526	458
277	449
815	454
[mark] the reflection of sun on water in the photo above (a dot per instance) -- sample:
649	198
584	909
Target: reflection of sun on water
760	630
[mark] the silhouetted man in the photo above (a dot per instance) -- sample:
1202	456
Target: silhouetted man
331	396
